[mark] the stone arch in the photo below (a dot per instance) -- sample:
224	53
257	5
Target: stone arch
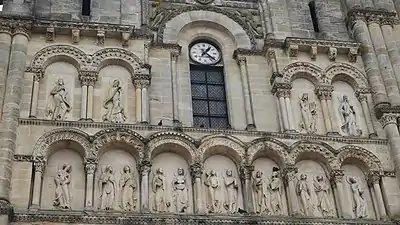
277	149
42	148
315	150
131	141
304	70
116	56
224	144
54	53
168	32
186	145
370	161
346	73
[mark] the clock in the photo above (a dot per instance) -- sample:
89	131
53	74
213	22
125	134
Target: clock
205	53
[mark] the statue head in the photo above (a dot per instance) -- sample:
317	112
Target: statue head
116	83
212	173
181	171
109	169
160	171
304	97
258	174
352	180
345	98
228	172
60	82
66	167
127	169
303	176
275	174
319	178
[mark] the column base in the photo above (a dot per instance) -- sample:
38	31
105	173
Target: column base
32	117
290	131
88	208
373	135
144	122
176	123
34	207
251	127
333	133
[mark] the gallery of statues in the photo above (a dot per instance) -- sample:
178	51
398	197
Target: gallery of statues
197	112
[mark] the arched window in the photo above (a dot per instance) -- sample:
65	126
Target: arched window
207	85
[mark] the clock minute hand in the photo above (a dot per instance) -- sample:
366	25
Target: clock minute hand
210	56
205	51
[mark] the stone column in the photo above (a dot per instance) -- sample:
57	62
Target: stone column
84	100
144	169
246	172
373	180
241	61
290	178
88	79
336	181
89	113
384	64
175	90
289	111
323	96
141	83
90	168
367	114
11	107
389	123
282	107
138	100
38	166
392	48
5	45
145	102
361	34
35	93
196	170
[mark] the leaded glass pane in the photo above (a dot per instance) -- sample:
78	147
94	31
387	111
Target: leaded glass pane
200	107
216	92
217	122
218	108
198	76
199	121
215	78
199	91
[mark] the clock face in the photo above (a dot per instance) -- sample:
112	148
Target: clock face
205	53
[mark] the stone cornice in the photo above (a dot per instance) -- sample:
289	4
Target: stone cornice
174	47
380	16
153	219
143	127
315	46
386	109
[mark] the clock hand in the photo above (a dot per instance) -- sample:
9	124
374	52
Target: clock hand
205	51
210	56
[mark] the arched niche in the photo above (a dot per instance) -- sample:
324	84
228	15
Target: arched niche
354	168
61	154
272	184
341	89
62	70
106	89
313	171
170	161
220	163
114	158
306	106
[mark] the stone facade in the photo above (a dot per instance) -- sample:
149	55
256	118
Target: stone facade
98	124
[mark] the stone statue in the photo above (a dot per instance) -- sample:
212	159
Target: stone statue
260	189
303	190
321	189
309	114
127	188
348	115
158	15
276	192
159	185
212	184
360	205
179	186
231	185
62	179
59	105
107	188
112	103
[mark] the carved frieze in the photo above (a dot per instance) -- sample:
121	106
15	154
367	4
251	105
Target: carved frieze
371	15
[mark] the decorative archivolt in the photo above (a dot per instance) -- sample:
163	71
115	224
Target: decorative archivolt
361	154
318	76
228	145
44	143
105	138
263	146
321	149
347	73
86	62
178	18
185	142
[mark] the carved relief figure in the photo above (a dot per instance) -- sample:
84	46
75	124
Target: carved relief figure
159	185
360	205
276	192
303	190
112	103
107	188
59	105
322	190
127	188
348	115
260	190
159	13
179	186
212	184
63	180
231	185
309	114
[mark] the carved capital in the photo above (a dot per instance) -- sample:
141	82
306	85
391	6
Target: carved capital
289	174
175	54
283	93
196	170
39	165
246	172
90	168
332	53
23	28
241	60
293	50
362	97
271	54
76	36
352	56
101	36
373	178
50	33
145	168
5	28
336	176
125	37
141	83
324	92
38	76
88	78
389	118
313	52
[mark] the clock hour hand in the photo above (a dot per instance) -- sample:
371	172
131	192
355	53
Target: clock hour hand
205	51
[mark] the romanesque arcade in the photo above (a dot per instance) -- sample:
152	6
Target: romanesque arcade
170	172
